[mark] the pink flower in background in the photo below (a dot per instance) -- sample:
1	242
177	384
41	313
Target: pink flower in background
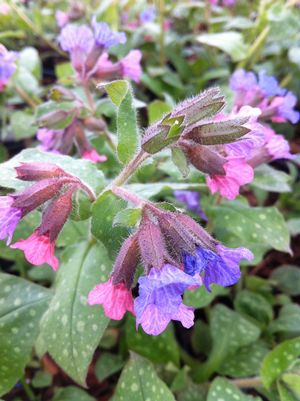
116	299
131	65
277	146
238	173
4	9
49	139
62	18
93	156
38	249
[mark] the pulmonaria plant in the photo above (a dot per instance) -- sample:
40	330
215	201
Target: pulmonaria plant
177	255
7	65
53	189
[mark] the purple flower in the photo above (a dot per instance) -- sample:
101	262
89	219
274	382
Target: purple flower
49	139
269	85
7	65
285	108
105	37
78	41
9	218
160	300
131	65
148	15
192	200
242	80
220	267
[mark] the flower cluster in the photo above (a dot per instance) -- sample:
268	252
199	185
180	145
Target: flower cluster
177	255
53	188
7	65
88	47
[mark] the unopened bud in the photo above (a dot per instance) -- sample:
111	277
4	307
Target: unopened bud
56	214
203	158
206	104
53	118
94	124
59	93
156	138
37	171
126	262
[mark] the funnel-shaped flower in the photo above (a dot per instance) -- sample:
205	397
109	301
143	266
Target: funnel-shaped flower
116	299
93	156
38	249
105	37
9	218
7	65
219	267
131	65
238	173
160	299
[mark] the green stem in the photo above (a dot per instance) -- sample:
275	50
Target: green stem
24	95
27	389
254	50
129	169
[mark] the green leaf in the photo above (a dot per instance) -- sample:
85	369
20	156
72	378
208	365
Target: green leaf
21	306
254	305
161	188
180	161
284	393
278	360
86	171
231	43
72	393
222	389
29	58
107	365
139	382
22	124
270	179
41	380
254	226
292	380
120	93
157	109
127	217
288	320
104	211
200	297
159	349
193	392
71	328
287	279
245	362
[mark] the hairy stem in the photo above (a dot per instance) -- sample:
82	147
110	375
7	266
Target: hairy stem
129	169
27	98
128	196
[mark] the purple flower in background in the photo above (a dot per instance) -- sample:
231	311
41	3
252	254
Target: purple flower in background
148	15
105	37
78	41
7	65
9	218
285	108
49	139
269	85
62	18
160	299
277	146
131	65
220	267
226	3
192	201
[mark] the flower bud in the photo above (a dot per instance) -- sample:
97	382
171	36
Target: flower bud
56	214
156	138
126	262
53	118
203	158
59	94
38	171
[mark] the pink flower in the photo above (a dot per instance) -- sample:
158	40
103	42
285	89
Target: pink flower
93	156
238	173
62	18
38	249
9	218
277	146
116	299
131	65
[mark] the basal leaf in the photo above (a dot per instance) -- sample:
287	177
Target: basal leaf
71	328
222	389
278	360
139	382
22	305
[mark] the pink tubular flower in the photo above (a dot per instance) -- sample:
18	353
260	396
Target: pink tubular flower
9	218
238	173
277	146
93	156
131	65
38	249
116	299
